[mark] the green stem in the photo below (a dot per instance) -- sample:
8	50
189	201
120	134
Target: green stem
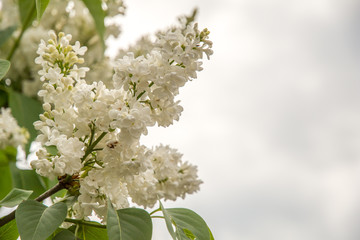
23	28
81	222
156	210
140	95
92	134
77	231
97	149
92	146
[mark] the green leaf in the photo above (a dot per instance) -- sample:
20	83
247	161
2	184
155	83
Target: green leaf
168	221
188	223
4	67
64	235
6	33
5	180
128	224
27	9
35	221
27	179
10	153
54	233
92	233
15	197
3	98
9	231
189	234
98	15
113	223
3	159
6	155
40	7
211	235
26	111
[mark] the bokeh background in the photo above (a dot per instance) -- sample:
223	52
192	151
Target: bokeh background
273	120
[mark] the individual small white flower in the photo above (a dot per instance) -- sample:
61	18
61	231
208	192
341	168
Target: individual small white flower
71	147
79	50
42	165
53	75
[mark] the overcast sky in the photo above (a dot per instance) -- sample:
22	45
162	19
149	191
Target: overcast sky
273	120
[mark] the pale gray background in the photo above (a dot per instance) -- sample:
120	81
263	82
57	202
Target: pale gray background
273	121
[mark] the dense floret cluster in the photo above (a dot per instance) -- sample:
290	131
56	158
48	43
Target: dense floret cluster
91	130
11	135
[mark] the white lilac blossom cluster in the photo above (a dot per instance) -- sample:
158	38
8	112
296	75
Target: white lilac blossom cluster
10	132
96	130
70	16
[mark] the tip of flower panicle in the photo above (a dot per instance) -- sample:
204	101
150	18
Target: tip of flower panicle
58	59
52	34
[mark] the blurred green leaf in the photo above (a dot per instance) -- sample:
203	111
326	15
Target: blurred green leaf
36	221
40	7
6	155
15	197
5	181
4	67
27	179
26	111
9	231
3	159
98	15
10	152
27	9
6	33
49	183
3	98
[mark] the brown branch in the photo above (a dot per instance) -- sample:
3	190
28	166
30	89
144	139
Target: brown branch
48	193
51	191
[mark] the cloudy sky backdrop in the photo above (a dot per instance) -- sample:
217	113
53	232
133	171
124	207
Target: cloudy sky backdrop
273	121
